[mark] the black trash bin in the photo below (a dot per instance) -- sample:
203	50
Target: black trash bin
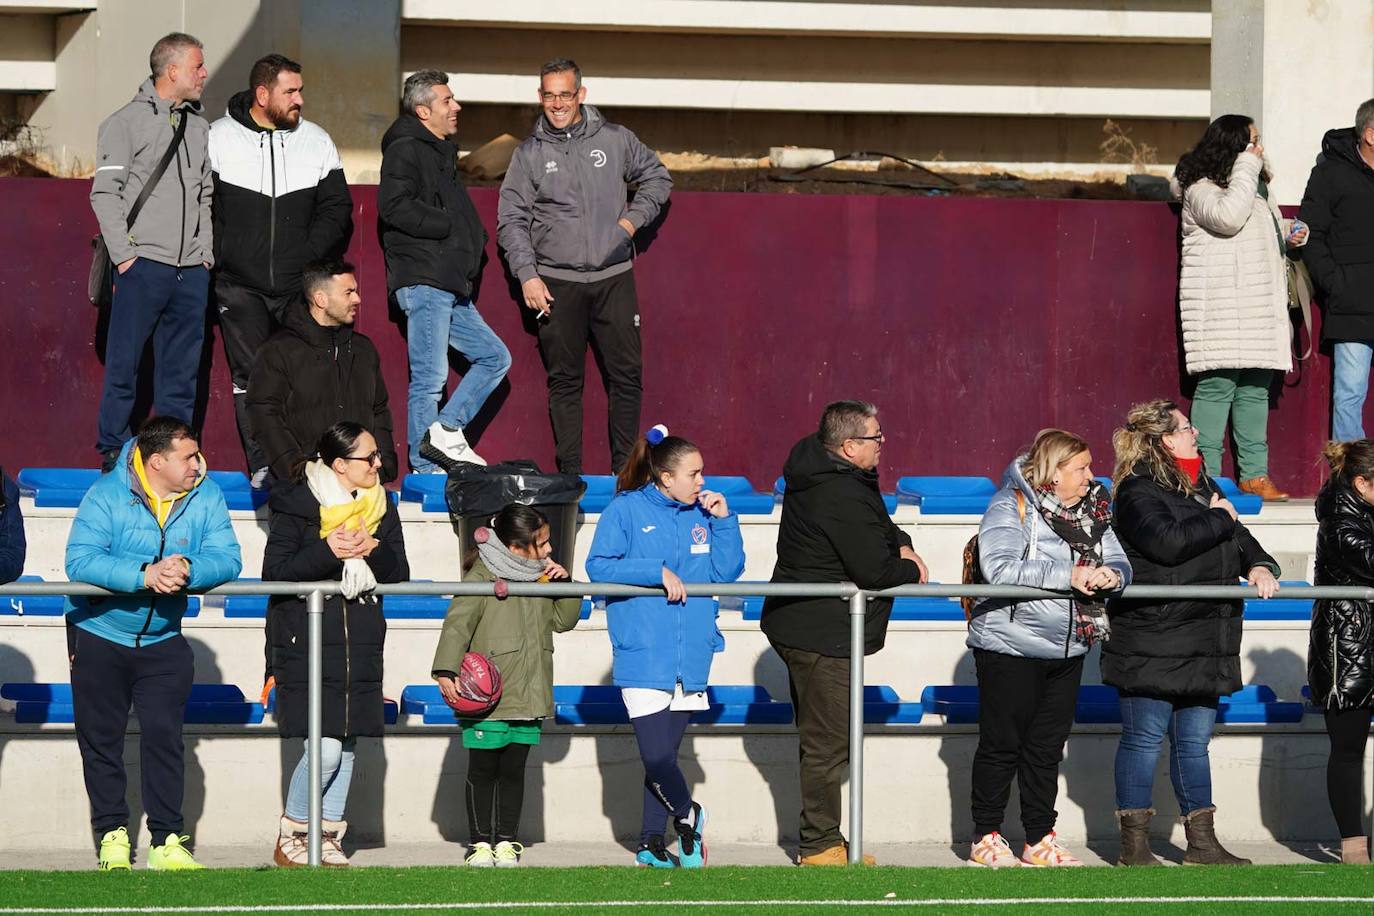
475	493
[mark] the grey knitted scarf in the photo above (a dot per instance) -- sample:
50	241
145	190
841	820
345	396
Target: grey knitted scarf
506	565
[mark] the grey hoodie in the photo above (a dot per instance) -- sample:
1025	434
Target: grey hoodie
1042	628
564	193
174	225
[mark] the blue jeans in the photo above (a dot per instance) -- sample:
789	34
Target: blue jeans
436	321
336	772
1349	383
1144	723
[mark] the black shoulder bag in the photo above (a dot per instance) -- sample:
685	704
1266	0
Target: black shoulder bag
100	281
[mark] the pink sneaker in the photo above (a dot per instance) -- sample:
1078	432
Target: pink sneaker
1048	853
992	851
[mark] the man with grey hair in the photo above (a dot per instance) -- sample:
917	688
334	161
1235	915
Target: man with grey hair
835	528
1338	207
151	196
568	234
433	243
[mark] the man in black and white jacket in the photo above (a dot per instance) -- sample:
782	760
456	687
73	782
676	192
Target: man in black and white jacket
280	201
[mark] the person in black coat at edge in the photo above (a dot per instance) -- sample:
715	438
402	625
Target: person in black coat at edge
1172	659
1338	207
13	546
834	528
335	521
1340	655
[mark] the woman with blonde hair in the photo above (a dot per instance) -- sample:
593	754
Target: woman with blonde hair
1171	659
1048	527
1340	655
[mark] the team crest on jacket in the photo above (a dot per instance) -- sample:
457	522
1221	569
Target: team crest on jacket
598	158
698	534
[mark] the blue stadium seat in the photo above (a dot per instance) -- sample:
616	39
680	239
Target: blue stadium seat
210	704
600	490
427	490
1279	607
958	704
1097	704
780	488
741	705
1245	503
32	605
238	491
882	706
947	495
1106	482
60	488
927	609
741	496
396	607
1256	703
600	704
390	708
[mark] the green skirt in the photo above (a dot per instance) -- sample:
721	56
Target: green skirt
494	734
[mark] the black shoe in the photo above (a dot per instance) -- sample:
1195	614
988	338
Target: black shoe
108	459
691	849
653	854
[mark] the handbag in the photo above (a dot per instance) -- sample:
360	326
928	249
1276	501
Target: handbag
100	280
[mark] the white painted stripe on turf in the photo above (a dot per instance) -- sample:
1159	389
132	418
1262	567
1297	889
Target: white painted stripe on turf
624	904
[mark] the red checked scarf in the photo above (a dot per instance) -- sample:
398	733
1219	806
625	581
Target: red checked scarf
1082	526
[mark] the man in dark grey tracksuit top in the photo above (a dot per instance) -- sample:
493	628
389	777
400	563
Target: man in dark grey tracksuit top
568	234
163	260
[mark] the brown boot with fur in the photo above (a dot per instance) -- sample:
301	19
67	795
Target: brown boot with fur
1203	846
292	849
1135	837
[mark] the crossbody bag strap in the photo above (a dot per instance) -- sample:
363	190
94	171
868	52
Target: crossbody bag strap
154	178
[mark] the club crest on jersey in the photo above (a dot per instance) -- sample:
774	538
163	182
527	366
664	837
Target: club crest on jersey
550	166
698	534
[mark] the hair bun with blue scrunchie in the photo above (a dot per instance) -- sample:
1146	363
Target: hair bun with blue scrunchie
656	434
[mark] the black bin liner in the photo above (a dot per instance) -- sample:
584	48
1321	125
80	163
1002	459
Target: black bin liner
476	493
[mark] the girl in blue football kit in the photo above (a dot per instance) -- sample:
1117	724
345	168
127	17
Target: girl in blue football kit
664	529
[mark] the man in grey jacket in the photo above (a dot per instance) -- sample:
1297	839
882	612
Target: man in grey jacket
568	235
163	260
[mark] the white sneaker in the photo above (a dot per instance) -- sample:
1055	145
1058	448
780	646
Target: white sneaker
480	856
508	854
992	851
447	447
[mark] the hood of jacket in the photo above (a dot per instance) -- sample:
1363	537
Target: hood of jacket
124	470
302	324
409	126
586	128
811	464
147	95
240	108
294	498
1340	143
1015	476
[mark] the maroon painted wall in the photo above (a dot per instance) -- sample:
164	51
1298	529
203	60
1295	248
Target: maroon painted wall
972	323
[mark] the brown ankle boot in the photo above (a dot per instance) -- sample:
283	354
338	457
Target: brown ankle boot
1355	850
1264	488
1203	846
1135	837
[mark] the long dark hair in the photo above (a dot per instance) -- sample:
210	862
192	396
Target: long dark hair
1215	154
334	443
516	525
647	462
1349	460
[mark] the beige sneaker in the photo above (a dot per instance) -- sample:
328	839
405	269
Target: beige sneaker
292	848
331	850
992	851
1048	853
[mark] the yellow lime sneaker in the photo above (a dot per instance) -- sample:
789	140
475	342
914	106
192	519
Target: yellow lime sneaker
172	856
114	850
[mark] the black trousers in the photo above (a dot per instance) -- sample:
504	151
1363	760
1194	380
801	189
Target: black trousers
155	680
496	792
247	318
820	704
1025	711
1349	732
606	313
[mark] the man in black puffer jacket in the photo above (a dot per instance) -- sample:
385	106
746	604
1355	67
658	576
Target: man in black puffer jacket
835	528
317	371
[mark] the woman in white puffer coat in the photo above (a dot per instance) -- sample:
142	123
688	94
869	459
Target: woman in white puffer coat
1233	295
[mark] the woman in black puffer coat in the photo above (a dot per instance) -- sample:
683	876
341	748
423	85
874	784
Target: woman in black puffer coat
1172	659
1340	654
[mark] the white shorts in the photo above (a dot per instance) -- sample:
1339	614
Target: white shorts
645	701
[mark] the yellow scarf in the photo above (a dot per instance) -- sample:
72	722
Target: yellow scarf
365	511
162	508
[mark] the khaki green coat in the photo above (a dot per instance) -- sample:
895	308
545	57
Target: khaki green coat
516	636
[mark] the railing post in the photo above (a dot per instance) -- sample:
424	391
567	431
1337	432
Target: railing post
858	607
314	611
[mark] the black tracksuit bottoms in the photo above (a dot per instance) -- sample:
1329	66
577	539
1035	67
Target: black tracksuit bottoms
496	792
606	313
155	680
247	317
1025	711
1348	730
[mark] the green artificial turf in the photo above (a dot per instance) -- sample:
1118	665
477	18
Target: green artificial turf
351	890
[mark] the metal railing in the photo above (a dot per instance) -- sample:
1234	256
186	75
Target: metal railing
315	593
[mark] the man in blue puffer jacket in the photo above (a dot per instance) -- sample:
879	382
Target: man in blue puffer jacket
150	530
663	529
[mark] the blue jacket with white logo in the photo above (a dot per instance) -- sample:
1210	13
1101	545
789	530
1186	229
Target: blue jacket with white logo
115	535
656	644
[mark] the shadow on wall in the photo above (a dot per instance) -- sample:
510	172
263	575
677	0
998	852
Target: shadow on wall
777	761
15	667
956	752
